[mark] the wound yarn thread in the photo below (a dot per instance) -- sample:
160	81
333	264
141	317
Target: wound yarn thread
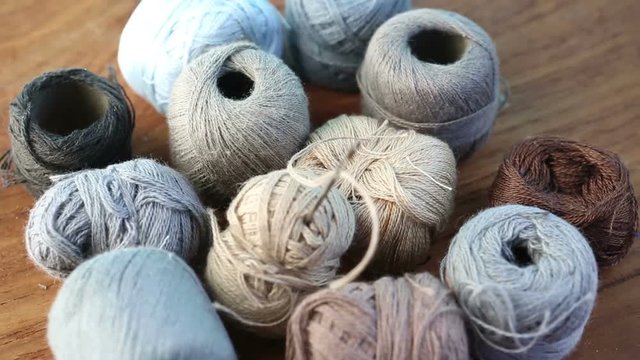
175	32
436	72
411	178
63	121
328	39
274	251
412	317
525	278
135	304
236	112
135	203
587	186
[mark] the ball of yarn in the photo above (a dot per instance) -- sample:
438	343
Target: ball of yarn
526	279
328	38
275	251
135	304
163	36
68	120
236	112
411	178
413	317
135	203
587	186
436	72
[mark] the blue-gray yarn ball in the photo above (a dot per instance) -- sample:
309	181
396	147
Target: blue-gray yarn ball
135	203
526	279
135	304
328	39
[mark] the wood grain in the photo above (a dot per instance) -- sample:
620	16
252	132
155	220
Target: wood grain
574	70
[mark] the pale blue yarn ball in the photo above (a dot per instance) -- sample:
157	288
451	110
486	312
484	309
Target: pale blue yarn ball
163	36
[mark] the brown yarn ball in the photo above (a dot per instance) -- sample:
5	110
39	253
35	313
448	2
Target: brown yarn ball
587	186
412	317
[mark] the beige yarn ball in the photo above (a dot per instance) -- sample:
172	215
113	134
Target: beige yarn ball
411	178
273	253
235	112
412	317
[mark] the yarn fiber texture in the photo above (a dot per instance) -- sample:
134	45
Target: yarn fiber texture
236	112
436	72
526	279
135	203
272	255
412	317
162	36
68	120
411	178
135	304
587	186
328	39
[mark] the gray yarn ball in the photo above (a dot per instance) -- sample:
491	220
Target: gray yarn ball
135	203
436	72
328	39
68	120
135	304
235	112
526	279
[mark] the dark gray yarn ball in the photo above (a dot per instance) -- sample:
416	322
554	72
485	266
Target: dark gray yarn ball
68	120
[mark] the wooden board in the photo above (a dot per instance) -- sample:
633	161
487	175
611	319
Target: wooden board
574	71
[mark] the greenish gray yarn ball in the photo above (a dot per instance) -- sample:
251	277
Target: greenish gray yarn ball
135	203
135	304
526	279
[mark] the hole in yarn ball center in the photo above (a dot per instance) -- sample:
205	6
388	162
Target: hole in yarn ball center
518	253
568	174
67	107
235	85
437	47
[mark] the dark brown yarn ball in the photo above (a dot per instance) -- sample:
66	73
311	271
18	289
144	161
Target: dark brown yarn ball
587	186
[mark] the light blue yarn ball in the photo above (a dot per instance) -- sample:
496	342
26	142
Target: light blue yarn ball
163	36
328	39
135	304
526	280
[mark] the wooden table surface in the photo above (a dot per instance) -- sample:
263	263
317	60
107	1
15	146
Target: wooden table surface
574	70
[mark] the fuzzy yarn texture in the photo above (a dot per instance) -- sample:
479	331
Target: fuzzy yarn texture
587	186
436	72
135	203
526	279
163	36
236	112
412	317
327	39
135	304
275	251
411	178
64	121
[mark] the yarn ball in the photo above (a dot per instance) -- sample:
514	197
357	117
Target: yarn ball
436	72
135	304
411	178
587	186
272	254
135	203
68	120
525	278
328	39
236	112
162	36
412	317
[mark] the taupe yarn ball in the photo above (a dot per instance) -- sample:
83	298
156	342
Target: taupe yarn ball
275	251
436	72
235	112
412	317
411	178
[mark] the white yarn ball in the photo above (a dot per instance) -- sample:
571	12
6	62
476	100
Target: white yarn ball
163	36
